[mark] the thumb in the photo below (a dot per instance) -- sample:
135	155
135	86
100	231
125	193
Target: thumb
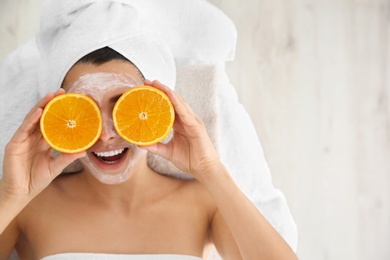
159	149
59	163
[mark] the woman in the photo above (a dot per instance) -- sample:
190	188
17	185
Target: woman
144	214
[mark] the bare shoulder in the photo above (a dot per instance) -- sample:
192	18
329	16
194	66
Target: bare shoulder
51	197
189	191
69	190
64	209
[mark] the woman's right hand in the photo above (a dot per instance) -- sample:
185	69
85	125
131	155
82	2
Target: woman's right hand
28	165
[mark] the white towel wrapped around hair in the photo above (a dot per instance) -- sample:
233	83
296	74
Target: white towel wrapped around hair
180	42
150	33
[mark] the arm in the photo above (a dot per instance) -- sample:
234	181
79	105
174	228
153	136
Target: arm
28	166
192	151
9	239
252	233
247	164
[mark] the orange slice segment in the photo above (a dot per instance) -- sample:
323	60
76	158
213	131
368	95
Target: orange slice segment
71	123
143	115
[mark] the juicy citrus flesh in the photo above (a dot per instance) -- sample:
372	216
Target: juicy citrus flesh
143	115
71	123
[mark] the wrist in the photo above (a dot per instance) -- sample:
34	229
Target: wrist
12	198
214	173
10	206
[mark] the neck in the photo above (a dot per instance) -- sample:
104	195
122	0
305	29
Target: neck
131	192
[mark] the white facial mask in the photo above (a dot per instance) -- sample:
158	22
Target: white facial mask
124	174
97	86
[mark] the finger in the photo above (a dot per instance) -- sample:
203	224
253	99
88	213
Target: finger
184	113
59	163
182	109
59	91
32	118
157	84
43	101
185	119
159	149
148	82
27	127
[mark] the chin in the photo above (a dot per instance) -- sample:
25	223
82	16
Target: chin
111	179
113	166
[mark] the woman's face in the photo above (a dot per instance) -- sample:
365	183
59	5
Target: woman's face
111	159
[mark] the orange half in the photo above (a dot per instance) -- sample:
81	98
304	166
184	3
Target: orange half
143	115
71	123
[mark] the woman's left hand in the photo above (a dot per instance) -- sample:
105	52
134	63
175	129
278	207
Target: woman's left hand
190	149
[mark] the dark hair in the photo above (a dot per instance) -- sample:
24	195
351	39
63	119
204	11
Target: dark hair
104	55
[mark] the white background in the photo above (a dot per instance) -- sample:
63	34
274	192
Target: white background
315	78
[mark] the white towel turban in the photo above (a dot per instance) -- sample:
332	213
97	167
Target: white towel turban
150	33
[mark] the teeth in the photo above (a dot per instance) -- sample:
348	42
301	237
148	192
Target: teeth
109	153
108	162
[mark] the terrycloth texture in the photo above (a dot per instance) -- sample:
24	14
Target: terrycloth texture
71	29
197	85
138	29
198	37
91	256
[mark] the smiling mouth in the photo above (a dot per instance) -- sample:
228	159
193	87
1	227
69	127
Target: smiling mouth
110	157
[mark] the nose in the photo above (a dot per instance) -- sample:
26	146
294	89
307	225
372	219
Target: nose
108	130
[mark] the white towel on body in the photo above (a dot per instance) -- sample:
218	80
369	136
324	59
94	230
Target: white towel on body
94	256
185	42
